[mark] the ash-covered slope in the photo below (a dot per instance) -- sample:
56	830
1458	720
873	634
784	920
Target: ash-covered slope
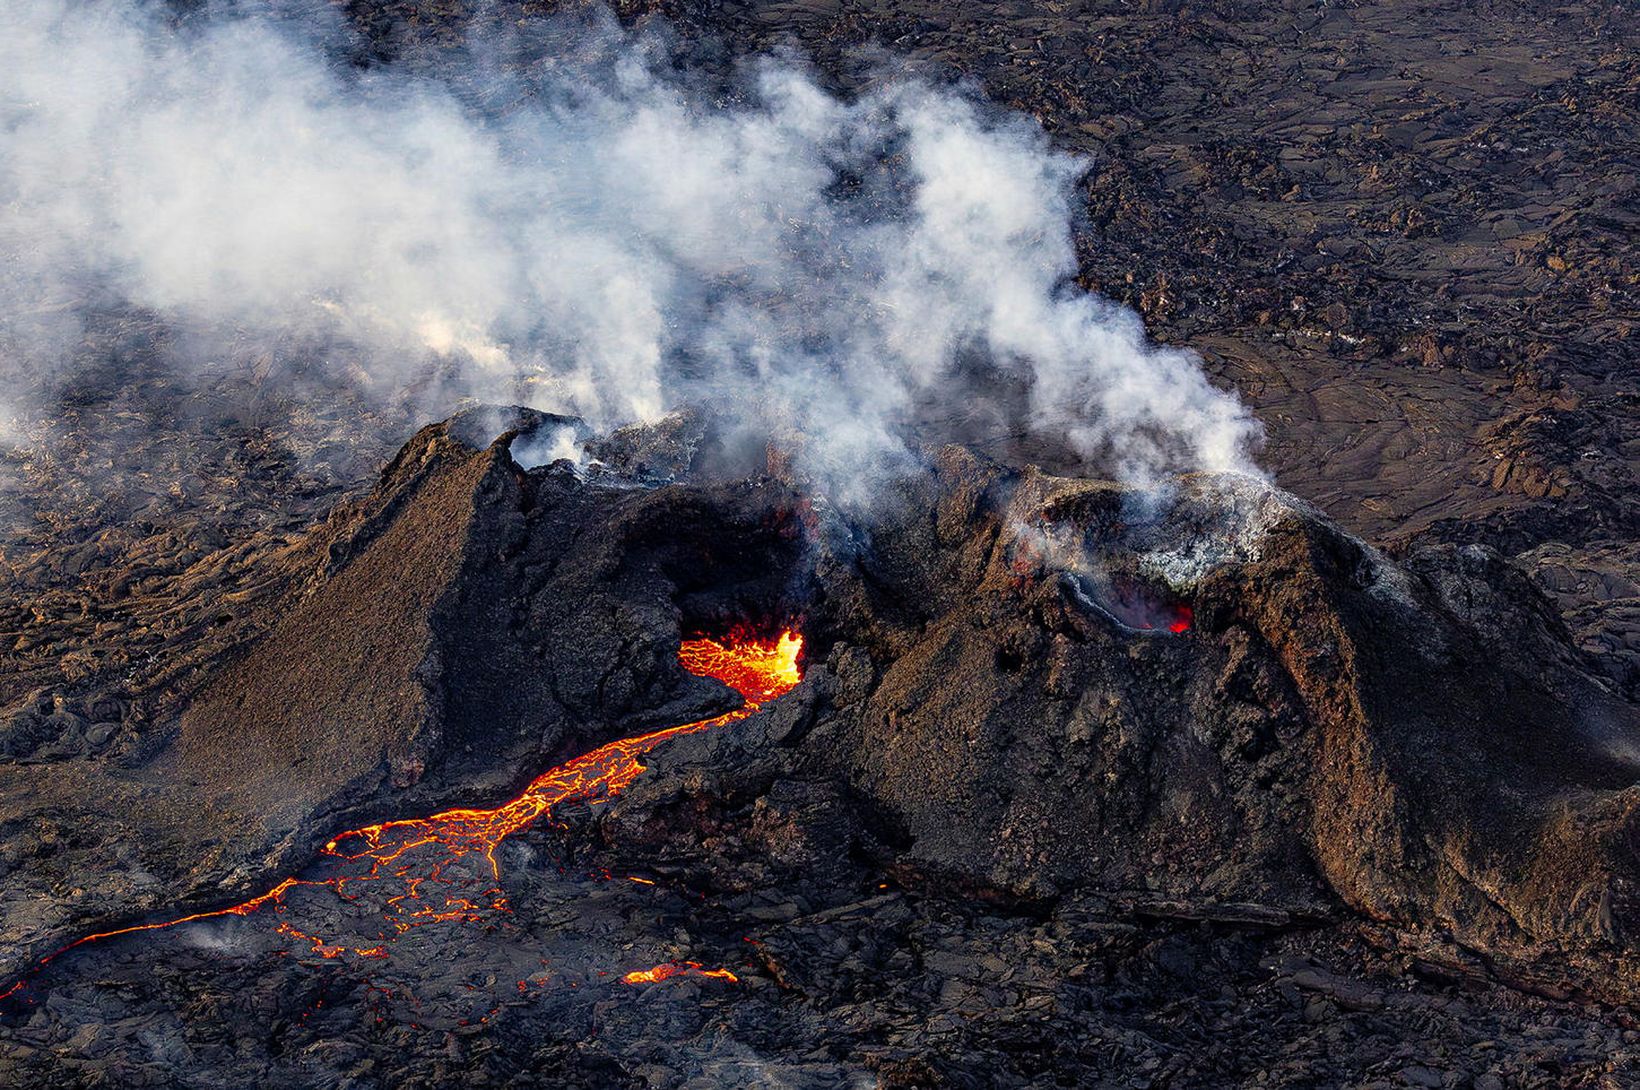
474	622
1417	742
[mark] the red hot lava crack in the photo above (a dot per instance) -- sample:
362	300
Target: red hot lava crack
418	853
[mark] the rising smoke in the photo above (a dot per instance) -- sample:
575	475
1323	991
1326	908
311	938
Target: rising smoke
594	232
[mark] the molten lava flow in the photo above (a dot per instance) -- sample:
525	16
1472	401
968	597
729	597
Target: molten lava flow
419	857
676	968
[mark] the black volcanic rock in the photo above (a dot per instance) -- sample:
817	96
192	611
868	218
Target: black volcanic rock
1007	785
1417	742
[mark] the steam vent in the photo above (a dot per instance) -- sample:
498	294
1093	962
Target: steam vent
865	545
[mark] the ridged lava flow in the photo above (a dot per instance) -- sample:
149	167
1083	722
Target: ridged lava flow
420	856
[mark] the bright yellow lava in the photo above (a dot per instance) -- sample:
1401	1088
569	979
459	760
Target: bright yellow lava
677	968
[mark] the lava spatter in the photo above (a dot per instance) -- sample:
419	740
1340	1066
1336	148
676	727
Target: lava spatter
420	857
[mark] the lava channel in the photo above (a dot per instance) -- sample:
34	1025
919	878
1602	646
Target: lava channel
418	857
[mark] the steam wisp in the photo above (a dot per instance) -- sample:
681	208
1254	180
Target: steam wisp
584	228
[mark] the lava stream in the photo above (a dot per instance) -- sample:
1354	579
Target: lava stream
677	968
420	854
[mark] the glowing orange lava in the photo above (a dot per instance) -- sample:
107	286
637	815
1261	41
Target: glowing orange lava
419	855
677	968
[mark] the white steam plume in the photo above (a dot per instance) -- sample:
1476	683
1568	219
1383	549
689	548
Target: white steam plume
618	238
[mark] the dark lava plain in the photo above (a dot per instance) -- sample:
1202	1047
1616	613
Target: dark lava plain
1403	231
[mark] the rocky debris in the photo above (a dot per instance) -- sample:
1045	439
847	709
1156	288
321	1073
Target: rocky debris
1331	726
854	982
1020	823
878	994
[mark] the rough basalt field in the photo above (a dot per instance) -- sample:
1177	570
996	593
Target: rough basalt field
1324	785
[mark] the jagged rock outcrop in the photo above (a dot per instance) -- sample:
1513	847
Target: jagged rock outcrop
1419	742
1334	734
